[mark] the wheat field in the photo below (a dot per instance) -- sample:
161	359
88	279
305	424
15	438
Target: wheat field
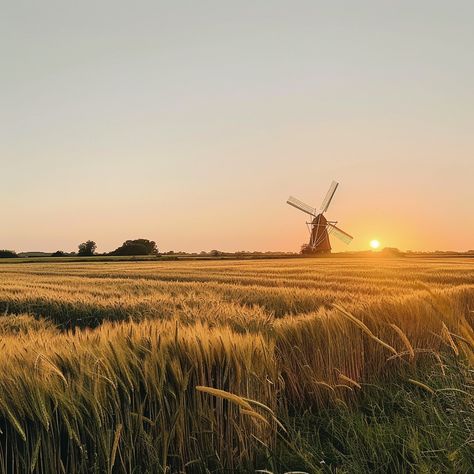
214	366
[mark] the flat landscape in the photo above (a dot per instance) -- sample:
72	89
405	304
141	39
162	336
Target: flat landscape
319	365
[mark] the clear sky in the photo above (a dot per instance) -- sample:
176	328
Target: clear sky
190	122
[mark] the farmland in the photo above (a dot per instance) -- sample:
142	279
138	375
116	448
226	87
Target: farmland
344	364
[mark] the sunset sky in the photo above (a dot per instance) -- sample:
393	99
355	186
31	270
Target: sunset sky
190	123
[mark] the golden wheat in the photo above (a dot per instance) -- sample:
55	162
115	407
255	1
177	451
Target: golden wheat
186	365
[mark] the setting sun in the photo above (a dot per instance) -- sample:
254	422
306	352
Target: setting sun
375	244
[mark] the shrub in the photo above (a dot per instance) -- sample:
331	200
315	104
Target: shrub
8	254
58	253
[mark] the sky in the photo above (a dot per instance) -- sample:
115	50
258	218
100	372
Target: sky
190	123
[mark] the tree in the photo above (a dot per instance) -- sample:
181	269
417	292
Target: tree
87	249
137	247
391	252
8	254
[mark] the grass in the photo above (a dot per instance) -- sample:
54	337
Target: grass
332	365
397	426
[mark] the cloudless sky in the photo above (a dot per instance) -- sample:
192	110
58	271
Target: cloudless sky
190	123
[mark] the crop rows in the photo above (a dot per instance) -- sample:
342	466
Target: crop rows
189	366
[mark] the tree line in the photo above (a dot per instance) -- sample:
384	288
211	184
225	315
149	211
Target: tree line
89	249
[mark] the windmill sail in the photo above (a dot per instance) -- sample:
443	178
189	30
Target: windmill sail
329	196
339	233
292	201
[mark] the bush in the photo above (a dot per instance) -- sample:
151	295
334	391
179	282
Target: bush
8	254
58	253
391	252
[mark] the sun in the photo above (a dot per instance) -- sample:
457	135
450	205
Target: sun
375	244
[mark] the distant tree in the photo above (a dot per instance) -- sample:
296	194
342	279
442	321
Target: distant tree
215	253
391	252
58	253
87	249
137	247
8	254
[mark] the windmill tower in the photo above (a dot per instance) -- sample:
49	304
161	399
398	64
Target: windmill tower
319	227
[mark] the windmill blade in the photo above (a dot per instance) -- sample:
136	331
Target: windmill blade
329	196
292	201
339	233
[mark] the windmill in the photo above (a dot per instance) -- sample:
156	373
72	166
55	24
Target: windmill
319	227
